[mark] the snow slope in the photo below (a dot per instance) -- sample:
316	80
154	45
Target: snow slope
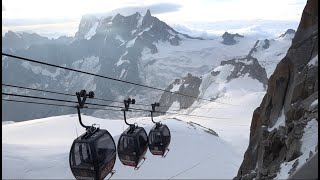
270	57
231	115
191	56
39	149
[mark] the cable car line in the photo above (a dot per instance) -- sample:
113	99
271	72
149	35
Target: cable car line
102	105
53	92
62	100
67	94
68	101
60	105
101	76
136	109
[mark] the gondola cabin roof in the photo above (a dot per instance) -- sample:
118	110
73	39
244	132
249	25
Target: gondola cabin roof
90	138
131	132
159	127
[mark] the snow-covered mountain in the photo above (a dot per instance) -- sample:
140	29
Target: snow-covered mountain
40	149
23	40
230	39
236	87
136	48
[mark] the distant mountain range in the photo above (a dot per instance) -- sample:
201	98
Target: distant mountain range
135	48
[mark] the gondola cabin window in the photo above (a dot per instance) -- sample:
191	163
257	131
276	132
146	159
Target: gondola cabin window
156	137
105	149
143	140
82	155
127	145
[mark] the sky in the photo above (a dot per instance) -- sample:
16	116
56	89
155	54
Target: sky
62	17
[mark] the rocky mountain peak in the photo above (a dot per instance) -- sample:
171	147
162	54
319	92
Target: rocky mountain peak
11	34
117	18
22	40
265	44
86	23
147	19
229	39
187	85
288	32
245	66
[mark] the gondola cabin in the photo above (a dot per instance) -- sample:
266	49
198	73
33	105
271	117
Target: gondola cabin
132	146
159	139
92	155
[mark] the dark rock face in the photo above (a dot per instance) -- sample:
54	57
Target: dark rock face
86	23
15	41
228	39
289	31
265	45
291	89
254	49
247	65
188	85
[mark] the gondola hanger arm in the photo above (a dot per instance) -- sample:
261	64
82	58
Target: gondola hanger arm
127	103
83	94
153	109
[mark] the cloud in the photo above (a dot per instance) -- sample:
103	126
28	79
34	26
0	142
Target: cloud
3	8
25	22
159	8
163	8
194	32
262	29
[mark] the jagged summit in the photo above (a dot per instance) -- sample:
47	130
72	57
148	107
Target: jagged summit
129	27
147	19
229	39
289	31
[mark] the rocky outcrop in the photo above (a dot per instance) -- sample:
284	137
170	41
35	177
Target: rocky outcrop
188	85
86	23
265	44
292	93
23	40
227	71
229	39
247	65
289	31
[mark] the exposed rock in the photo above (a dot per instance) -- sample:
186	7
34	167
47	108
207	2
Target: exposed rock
188	85
247	65
15	41
292	89
289	31
147	19
294	166
228	39
86	23
266	44
254	49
